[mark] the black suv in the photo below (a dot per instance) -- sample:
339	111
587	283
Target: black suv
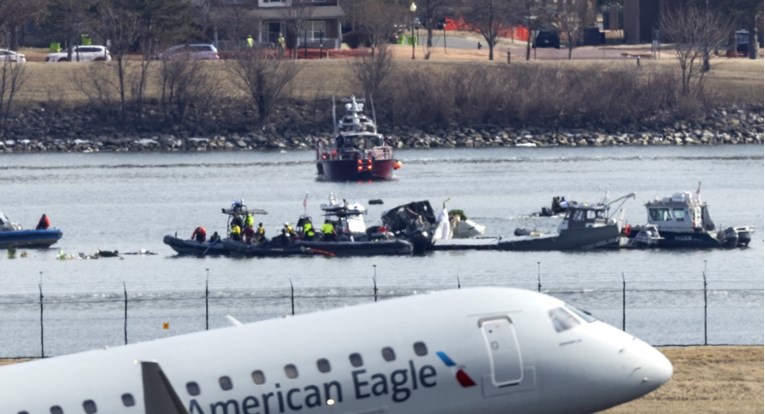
547	39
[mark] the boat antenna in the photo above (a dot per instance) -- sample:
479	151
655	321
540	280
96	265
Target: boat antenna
374	115
623	200
305	204
334	115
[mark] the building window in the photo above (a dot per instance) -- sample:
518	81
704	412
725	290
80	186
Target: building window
317	29
90	407
420	349
290	371
388	354
356	360
323	366
225	383
192	388
128	400
258	377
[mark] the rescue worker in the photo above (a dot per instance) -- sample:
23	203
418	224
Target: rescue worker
44	223
249	221
328	231
280	43
249	235
237	221
236	233
261	233
199	234
308	232
290	231
250	41
214	238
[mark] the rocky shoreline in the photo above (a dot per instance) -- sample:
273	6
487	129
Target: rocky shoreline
41	129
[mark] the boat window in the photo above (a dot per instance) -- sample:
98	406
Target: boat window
90	407
290	371
679	214
258	377
578	215
356	360
225	383
583	314
323	366
192	388
420	349
562	320
56	410
388	354
591	214
128	400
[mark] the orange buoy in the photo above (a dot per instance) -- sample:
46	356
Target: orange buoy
397	164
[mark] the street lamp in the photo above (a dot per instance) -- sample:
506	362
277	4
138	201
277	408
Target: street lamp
413	8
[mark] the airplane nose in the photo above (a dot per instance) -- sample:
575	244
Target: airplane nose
654	368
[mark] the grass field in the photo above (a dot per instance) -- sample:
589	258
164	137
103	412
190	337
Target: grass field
741	79
706	379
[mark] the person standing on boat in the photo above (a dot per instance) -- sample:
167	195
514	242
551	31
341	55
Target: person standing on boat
236	233
249	221
199	234
214	238
308	232
260	233
328	231
44	223
248	235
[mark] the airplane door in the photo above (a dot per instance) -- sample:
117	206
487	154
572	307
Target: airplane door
504	352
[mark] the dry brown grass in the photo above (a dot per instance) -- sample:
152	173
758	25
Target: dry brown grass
706	379
739	80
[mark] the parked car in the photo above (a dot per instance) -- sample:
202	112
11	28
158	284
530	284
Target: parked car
547	39
84	53
191	51
11	56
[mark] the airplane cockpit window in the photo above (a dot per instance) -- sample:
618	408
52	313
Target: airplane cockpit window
290	371
356	360
586	316
23	412
192	388
420	349
225	383
258	377
562	319
56	410
323	365
90	407
128	400
388	354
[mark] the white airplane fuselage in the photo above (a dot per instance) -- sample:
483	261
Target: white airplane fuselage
481	350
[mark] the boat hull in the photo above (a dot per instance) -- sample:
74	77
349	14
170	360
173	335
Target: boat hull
726	239
188	247
392	247
238	248
355	170
33	239
580	239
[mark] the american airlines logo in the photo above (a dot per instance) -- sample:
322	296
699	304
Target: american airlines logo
458	370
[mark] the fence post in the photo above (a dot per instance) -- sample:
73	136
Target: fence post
624	303
539	277
42	326
705	302
207	300
374	281
124	287
459	285
292	297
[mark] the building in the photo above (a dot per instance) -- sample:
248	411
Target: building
641	19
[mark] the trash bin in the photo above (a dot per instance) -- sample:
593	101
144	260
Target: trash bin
590	36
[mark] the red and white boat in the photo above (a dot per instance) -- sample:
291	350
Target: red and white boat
358	152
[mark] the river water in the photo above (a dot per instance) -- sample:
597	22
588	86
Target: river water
128	202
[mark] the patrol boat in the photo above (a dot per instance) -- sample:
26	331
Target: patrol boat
12	235
358	152
683	221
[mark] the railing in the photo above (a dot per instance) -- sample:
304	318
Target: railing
44	324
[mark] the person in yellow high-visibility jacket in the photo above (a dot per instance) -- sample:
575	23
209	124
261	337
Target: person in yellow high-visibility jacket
328	231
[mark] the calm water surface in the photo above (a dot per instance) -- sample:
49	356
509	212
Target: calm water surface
128	202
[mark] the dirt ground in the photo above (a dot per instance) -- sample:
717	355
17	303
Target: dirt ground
706	379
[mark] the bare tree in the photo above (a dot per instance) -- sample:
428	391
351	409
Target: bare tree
570	17
296	16
490	18
373	71
431	9
67	18
14	14
529	14
264	79
12	76
380	19
182	82
694	32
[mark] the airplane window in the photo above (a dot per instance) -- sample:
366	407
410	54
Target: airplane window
192	388
388	354
356	360
323	366
290	371
562	320
420	349
225	383
586	316
258	377
128	400
90	407
56	410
